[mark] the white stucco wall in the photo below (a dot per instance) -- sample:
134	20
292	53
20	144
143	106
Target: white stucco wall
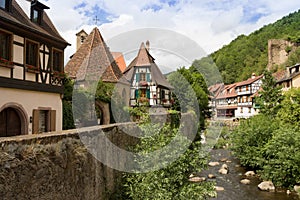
245	113
31	100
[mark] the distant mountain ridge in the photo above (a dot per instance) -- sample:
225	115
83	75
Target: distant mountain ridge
249	54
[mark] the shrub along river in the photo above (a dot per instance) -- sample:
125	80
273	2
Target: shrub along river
233	189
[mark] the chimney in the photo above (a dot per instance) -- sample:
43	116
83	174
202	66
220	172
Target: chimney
148	45
253	75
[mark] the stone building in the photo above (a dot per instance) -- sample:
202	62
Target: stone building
93	62
31	70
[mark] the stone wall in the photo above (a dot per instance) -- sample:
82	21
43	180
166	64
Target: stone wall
58	165
277	51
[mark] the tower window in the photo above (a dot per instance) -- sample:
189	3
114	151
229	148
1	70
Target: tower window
4	4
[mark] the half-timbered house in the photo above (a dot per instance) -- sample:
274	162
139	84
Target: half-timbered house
31	70
148	84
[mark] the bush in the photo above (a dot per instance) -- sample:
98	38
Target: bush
250	137
170	182
282	153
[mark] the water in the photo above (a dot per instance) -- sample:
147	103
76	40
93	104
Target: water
234	190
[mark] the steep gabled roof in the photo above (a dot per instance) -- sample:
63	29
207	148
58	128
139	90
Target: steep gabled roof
248	81
227	92
18	18
93	61
143	59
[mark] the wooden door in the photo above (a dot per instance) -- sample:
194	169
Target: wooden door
10	123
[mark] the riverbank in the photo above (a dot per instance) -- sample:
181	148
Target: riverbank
233	189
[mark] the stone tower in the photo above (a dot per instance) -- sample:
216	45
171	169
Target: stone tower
81	36
279	51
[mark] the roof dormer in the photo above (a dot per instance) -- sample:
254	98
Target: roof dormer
36	13
5	5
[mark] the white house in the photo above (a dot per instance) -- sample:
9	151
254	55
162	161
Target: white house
148	84
246	91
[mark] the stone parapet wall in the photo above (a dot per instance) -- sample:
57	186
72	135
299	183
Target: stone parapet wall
59	166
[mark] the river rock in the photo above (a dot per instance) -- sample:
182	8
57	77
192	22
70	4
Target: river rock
213	164
211	176
223	159
250	173
224	169
245	181
218	188
297	188
266	186
197	179
191	175
288	192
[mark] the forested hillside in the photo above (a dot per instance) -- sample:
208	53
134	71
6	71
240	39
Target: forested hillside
247	54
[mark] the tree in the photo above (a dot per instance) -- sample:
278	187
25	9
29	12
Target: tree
270	96
290	108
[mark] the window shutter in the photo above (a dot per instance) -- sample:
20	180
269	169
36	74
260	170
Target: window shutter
148	77
52	120
136	94
148	93
137	77
35	121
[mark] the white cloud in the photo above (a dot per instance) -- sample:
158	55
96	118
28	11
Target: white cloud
211	23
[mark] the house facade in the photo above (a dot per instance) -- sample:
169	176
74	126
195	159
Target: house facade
31	70
289	78
246	92
235	100
148	86
226	102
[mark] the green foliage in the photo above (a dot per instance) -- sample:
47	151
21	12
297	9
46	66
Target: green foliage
139	113
250	137
247	54
191	91
282	154
68	121
104	91
170	182
271	144
270	96
290	111
293	58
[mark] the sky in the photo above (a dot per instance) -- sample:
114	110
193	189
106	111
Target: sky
179	31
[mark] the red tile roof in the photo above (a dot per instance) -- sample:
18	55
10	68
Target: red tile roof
93	61
227	92
145	59
119	58
249	81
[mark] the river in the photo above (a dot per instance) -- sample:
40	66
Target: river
233	189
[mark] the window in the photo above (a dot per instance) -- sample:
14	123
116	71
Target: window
44	120
36	16
5	45
4	4
241	110
57	60
32	54
249	110
143	77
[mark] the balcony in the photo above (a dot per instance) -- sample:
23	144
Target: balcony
248	104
